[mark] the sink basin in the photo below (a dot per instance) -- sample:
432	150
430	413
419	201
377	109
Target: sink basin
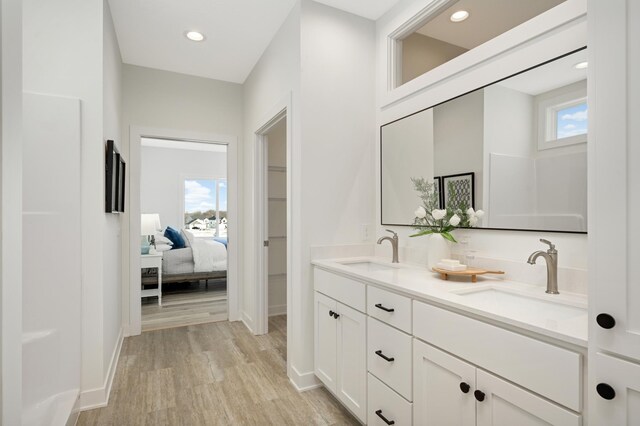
511	303
369	266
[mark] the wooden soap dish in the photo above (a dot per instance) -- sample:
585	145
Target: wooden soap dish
469	272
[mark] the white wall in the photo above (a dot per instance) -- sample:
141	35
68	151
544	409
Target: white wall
421	53
10	211
551	34
162	174
58	62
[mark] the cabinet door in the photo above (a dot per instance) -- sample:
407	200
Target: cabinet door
624	379
614	154
352	360
504	404
442	388
325	340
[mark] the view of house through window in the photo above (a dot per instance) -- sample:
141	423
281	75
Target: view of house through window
205	206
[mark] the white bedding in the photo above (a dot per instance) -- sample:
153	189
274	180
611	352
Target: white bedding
208	255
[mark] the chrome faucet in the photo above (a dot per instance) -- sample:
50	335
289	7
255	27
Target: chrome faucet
394	244
551	256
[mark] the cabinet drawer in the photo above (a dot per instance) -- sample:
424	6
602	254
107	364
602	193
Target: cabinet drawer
385	341
382	401
546	369
380	302
350	292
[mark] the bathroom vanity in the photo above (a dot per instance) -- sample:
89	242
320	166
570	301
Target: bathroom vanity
398	345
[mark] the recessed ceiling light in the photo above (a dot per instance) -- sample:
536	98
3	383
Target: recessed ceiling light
459	16
194	35
581	65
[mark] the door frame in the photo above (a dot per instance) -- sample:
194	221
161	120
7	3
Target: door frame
131	295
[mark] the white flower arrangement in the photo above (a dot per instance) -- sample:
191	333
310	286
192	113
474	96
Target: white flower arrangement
429	219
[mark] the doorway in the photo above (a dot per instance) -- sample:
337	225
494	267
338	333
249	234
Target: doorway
201	206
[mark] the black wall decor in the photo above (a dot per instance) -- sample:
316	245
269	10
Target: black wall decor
114	179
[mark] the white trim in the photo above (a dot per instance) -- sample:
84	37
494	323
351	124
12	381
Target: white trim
304	381
248	322
133	215
277	310
282	108
99	397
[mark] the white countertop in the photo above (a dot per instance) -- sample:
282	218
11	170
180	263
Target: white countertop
559	316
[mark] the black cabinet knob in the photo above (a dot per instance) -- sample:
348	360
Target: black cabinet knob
605	391
387	421
606	321
331	313
464	387
336	315
479	395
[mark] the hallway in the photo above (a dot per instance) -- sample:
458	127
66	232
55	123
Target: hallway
211	374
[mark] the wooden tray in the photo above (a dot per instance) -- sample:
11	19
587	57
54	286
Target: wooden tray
469	272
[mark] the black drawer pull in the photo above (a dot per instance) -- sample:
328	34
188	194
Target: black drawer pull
387	421
479	395
464	387
605	391
605	321
379	306
383	356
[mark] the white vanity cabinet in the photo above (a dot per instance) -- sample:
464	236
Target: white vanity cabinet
340	340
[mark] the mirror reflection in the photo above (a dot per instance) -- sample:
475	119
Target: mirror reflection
515	149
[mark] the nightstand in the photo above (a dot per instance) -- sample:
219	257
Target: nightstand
152	261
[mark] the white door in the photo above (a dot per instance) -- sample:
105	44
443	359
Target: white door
443	388
614	185
615	396
352	360
500	403
325	339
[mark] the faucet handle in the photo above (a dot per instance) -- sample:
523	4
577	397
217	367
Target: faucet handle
552	246
394	234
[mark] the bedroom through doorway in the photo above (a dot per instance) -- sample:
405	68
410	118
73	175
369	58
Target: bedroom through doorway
184	223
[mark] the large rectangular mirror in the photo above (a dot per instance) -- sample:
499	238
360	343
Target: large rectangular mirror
515	149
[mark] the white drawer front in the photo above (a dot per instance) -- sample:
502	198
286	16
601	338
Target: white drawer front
381	302
383	401
384	341
541	367
347	291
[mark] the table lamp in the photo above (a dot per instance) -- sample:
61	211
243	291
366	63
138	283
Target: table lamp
149	226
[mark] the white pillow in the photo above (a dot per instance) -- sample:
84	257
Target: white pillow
161	239
188	236
163	247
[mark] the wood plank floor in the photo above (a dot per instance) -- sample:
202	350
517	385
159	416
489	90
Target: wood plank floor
186	304
211	374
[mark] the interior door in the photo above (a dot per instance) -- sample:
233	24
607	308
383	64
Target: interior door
352	360
501	403
443	388
325	339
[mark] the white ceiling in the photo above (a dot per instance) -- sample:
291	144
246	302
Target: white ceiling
487	19
151	32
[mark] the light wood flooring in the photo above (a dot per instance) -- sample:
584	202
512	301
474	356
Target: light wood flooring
186	304
211	374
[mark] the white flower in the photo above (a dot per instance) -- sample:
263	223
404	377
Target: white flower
473	220
455	220
471	212
438	214
420	212
479	213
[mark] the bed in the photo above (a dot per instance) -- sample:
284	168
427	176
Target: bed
202	259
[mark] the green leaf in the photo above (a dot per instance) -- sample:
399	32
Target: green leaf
449	237
421	233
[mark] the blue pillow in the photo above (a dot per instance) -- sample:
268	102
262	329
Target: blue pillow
175	237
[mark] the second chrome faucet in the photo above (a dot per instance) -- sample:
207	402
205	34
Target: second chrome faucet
394	244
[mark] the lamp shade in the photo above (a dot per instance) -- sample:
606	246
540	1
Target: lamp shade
150	224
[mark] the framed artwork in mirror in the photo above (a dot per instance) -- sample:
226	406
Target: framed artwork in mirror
437	189
458	191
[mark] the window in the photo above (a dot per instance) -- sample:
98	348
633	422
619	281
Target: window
562	117
205	206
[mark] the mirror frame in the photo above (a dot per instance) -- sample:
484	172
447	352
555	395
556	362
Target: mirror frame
459	96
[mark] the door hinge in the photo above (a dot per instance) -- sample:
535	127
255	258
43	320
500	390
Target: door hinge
266	243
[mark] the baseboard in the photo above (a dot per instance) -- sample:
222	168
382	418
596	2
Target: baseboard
99	397
248	321
303	381
277	310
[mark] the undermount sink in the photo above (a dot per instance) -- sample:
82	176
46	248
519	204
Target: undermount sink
369	266
512	303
